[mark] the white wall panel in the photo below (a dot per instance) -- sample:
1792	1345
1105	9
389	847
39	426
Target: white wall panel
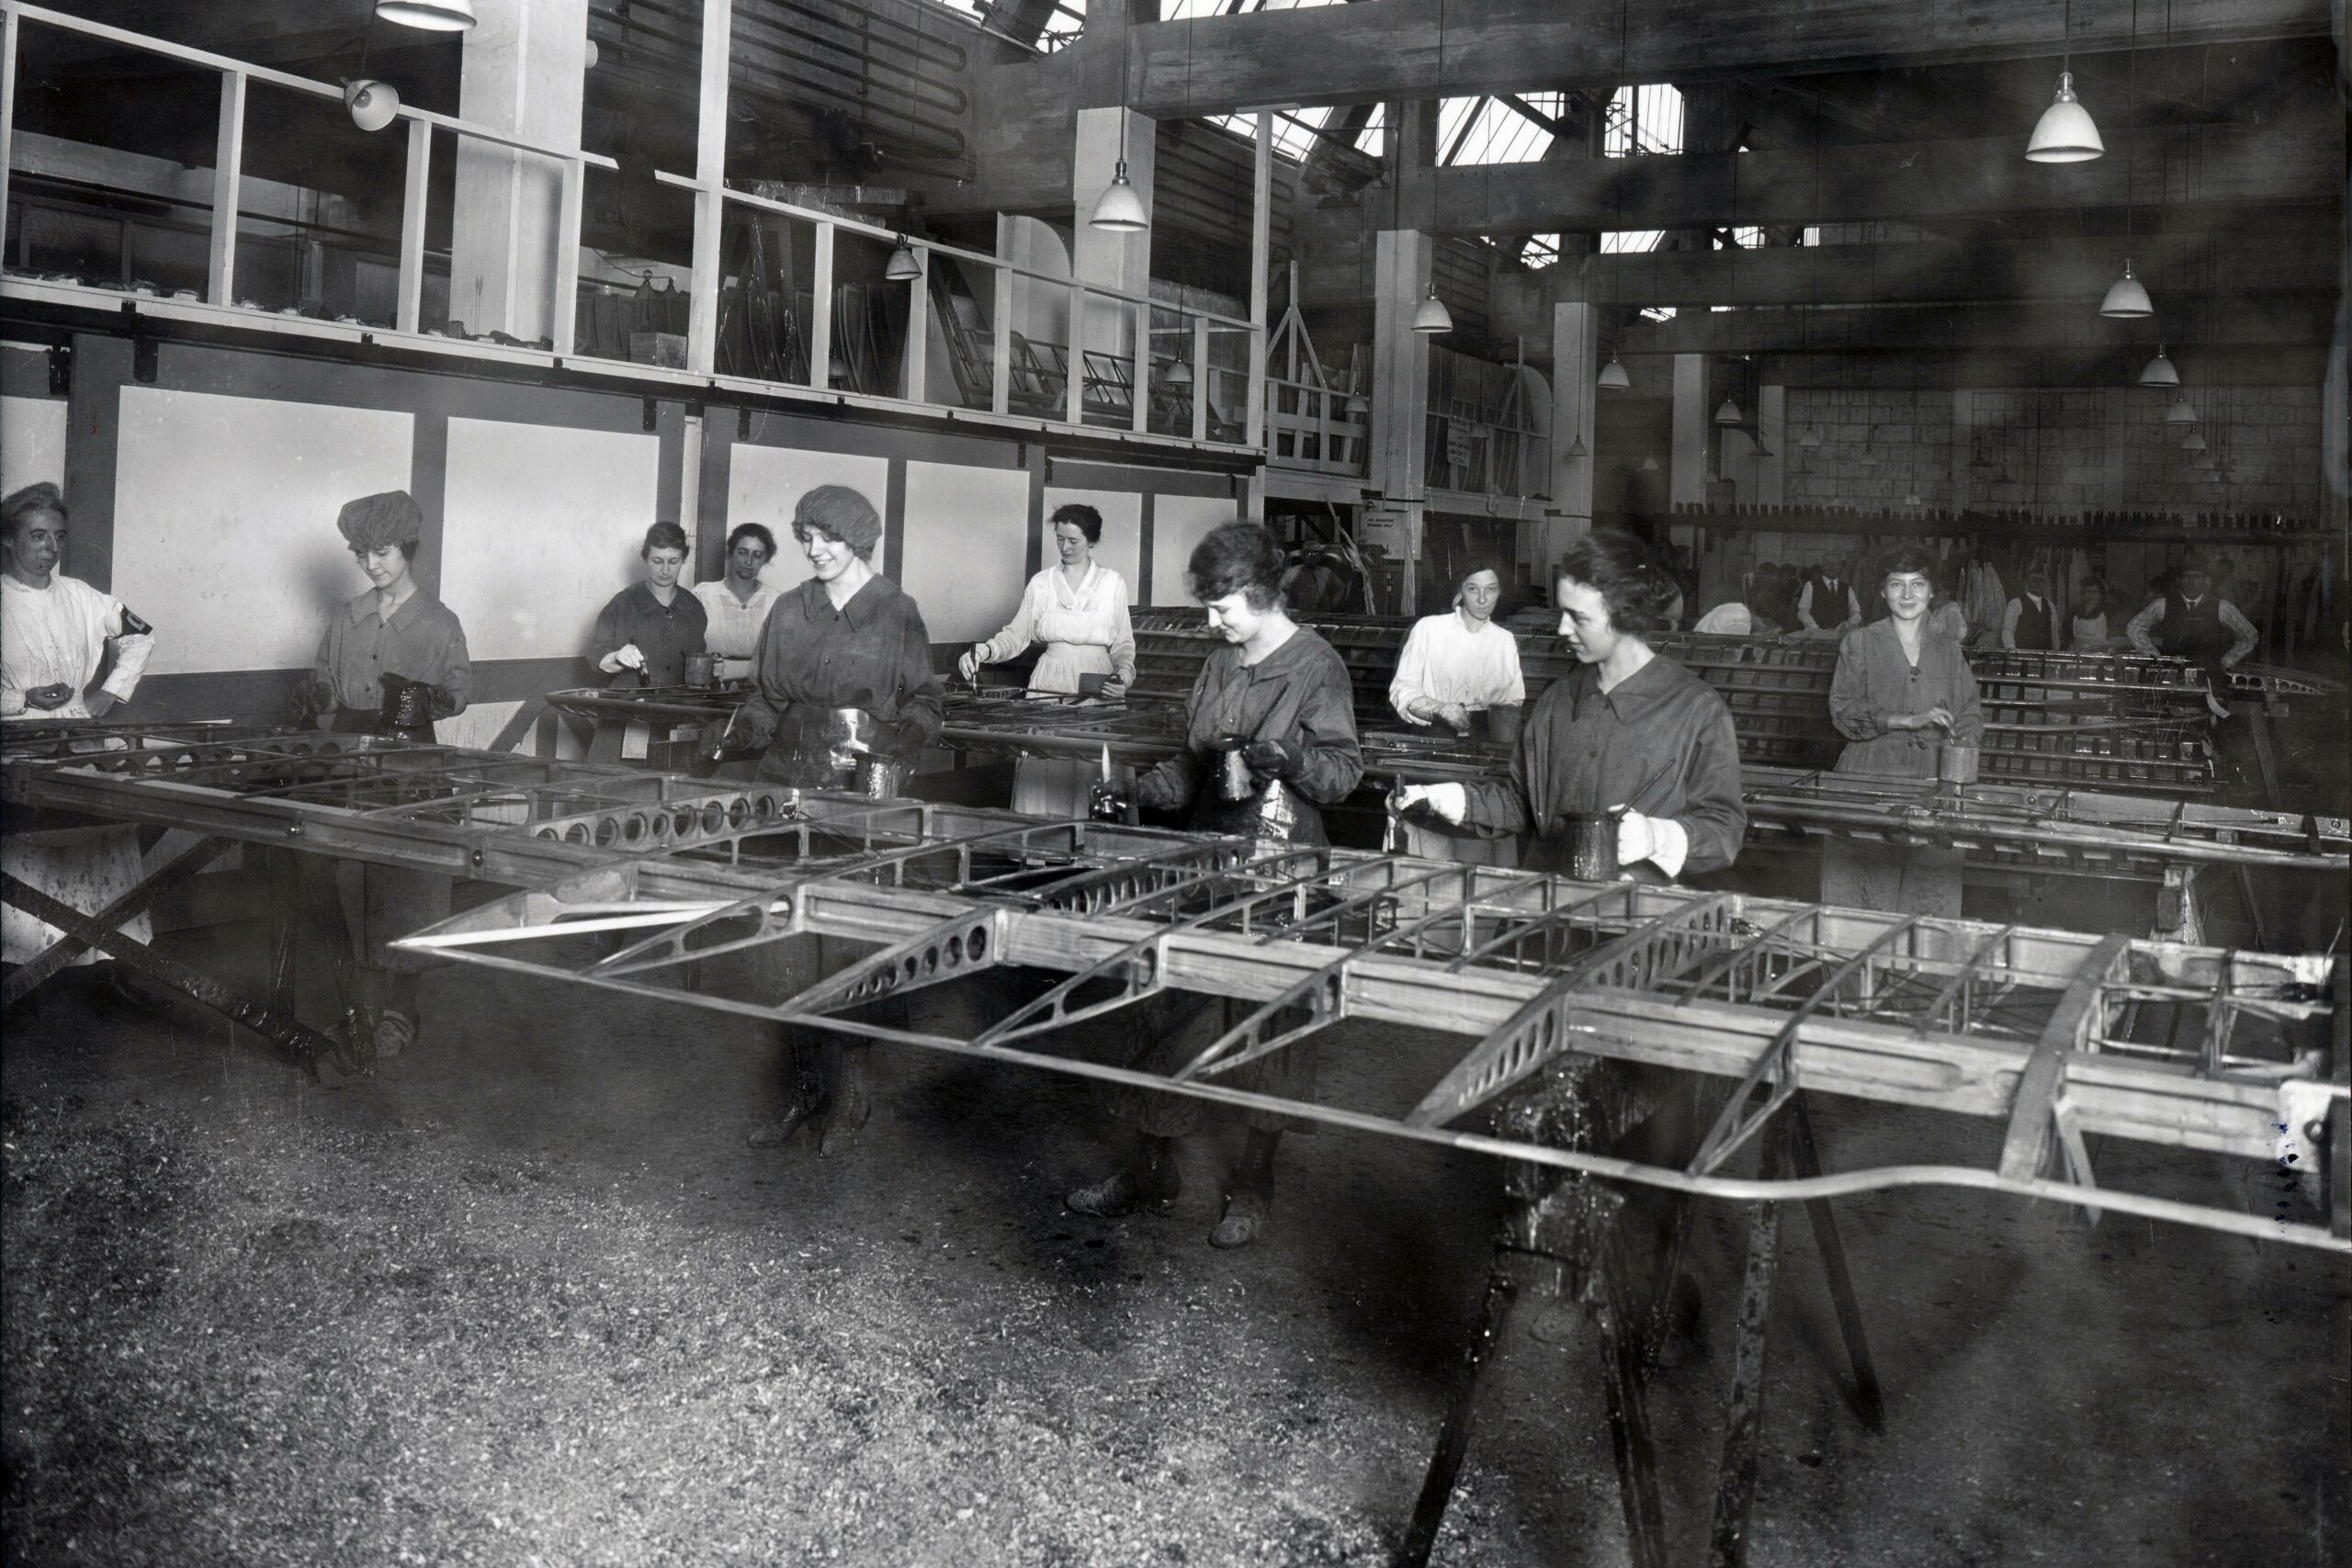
32	445
540	525
1122	546
967	544
764	484
224	520
1178	522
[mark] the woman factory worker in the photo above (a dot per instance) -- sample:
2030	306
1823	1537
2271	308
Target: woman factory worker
1901	690
735	607
1627	730
1077	607
846	640
55	632
392	661
650	629
1455	665
1277	697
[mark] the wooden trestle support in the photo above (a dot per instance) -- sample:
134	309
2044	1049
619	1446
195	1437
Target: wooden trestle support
632	881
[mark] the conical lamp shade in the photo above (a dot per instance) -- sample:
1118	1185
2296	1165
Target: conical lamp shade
1811	439
1729	413
1613	377
1432	317
1577	448
1120	210
433	15
903	267
2064	133
373	105
2160	372
2126	298
1179	374
2180	412
2192	443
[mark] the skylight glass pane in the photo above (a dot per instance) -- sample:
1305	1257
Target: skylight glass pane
1489	130
1615	242
1182	10
1646	118
1294	130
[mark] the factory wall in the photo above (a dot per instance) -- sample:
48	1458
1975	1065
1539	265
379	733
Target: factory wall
206	498
2105	449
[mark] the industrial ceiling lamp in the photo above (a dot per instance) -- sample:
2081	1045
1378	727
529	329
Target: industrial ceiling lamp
1179	374
1811	439
2065	134
1120	210
2127	299
1432	316
903	265
2159	371
2192	442
1612	376
2180	412
1729	412
372	105
433	15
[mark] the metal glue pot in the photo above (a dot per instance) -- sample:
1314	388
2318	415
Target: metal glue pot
850	736
1956	763
407	709
1234	781
1591	838
1498	724
702	669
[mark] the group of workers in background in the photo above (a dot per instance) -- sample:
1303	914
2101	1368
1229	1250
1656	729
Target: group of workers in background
840	672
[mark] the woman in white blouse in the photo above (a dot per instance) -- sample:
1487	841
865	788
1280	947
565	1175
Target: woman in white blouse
1455	665
1077	608
735	607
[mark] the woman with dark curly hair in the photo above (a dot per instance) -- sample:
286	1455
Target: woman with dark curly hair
1903	688
1278	695
1627	731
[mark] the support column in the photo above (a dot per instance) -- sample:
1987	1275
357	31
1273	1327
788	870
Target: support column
1576	345
1687	482
1396	465
526	61
1771	447
1096	255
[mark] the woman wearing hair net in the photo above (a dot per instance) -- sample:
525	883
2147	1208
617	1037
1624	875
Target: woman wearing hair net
846	640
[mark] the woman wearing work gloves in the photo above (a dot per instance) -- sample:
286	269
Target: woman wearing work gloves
649	629
1903	689
394	636
846	640
1627	729
1278	695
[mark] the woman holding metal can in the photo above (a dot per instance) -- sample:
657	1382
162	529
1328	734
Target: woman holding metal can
1630	756
843	696
1270	739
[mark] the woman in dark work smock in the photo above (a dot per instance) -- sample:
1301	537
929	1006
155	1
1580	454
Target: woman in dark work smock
1901	691
845	642
393	634
1626	729
1281	688
650	629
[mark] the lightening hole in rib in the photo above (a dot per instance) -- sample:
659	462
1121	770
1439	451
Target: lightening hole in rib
955	951
977	943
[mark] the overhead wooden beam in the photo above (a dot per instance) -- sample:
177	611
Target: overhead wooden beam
2067	329
2210	169
1428	48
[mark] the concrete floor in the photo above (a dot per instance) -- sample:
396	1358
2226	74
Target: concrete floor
2122	1395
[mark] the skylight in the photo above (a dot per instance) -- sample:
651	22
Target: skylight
1644	119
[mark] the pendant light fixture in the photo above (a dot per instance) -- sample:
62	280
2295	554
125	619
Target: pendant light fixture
2159	371
1729	412
1811	439
1432	316
1178	374
1613	377
1119	211
2180	412
2065	134
433	15
372	105
2127	299
903	267
2192	442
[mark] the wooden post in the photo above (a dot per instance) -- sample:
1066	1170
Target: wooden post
1261	186
1200	377
408	315
821	312
710	203
1074	382
1142	393
229	152
918	327
564	316
1000	329
8	100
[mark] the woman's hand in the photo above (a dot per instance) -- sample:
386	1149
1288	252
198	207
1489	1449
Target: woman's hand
1272	759
1456	714
1115	688
1448	801
629	656
968	668
1155	793
1939	718
50	698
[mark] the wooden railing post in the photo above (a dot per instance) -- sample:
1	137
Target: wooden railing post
821	312
228	155
408	313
